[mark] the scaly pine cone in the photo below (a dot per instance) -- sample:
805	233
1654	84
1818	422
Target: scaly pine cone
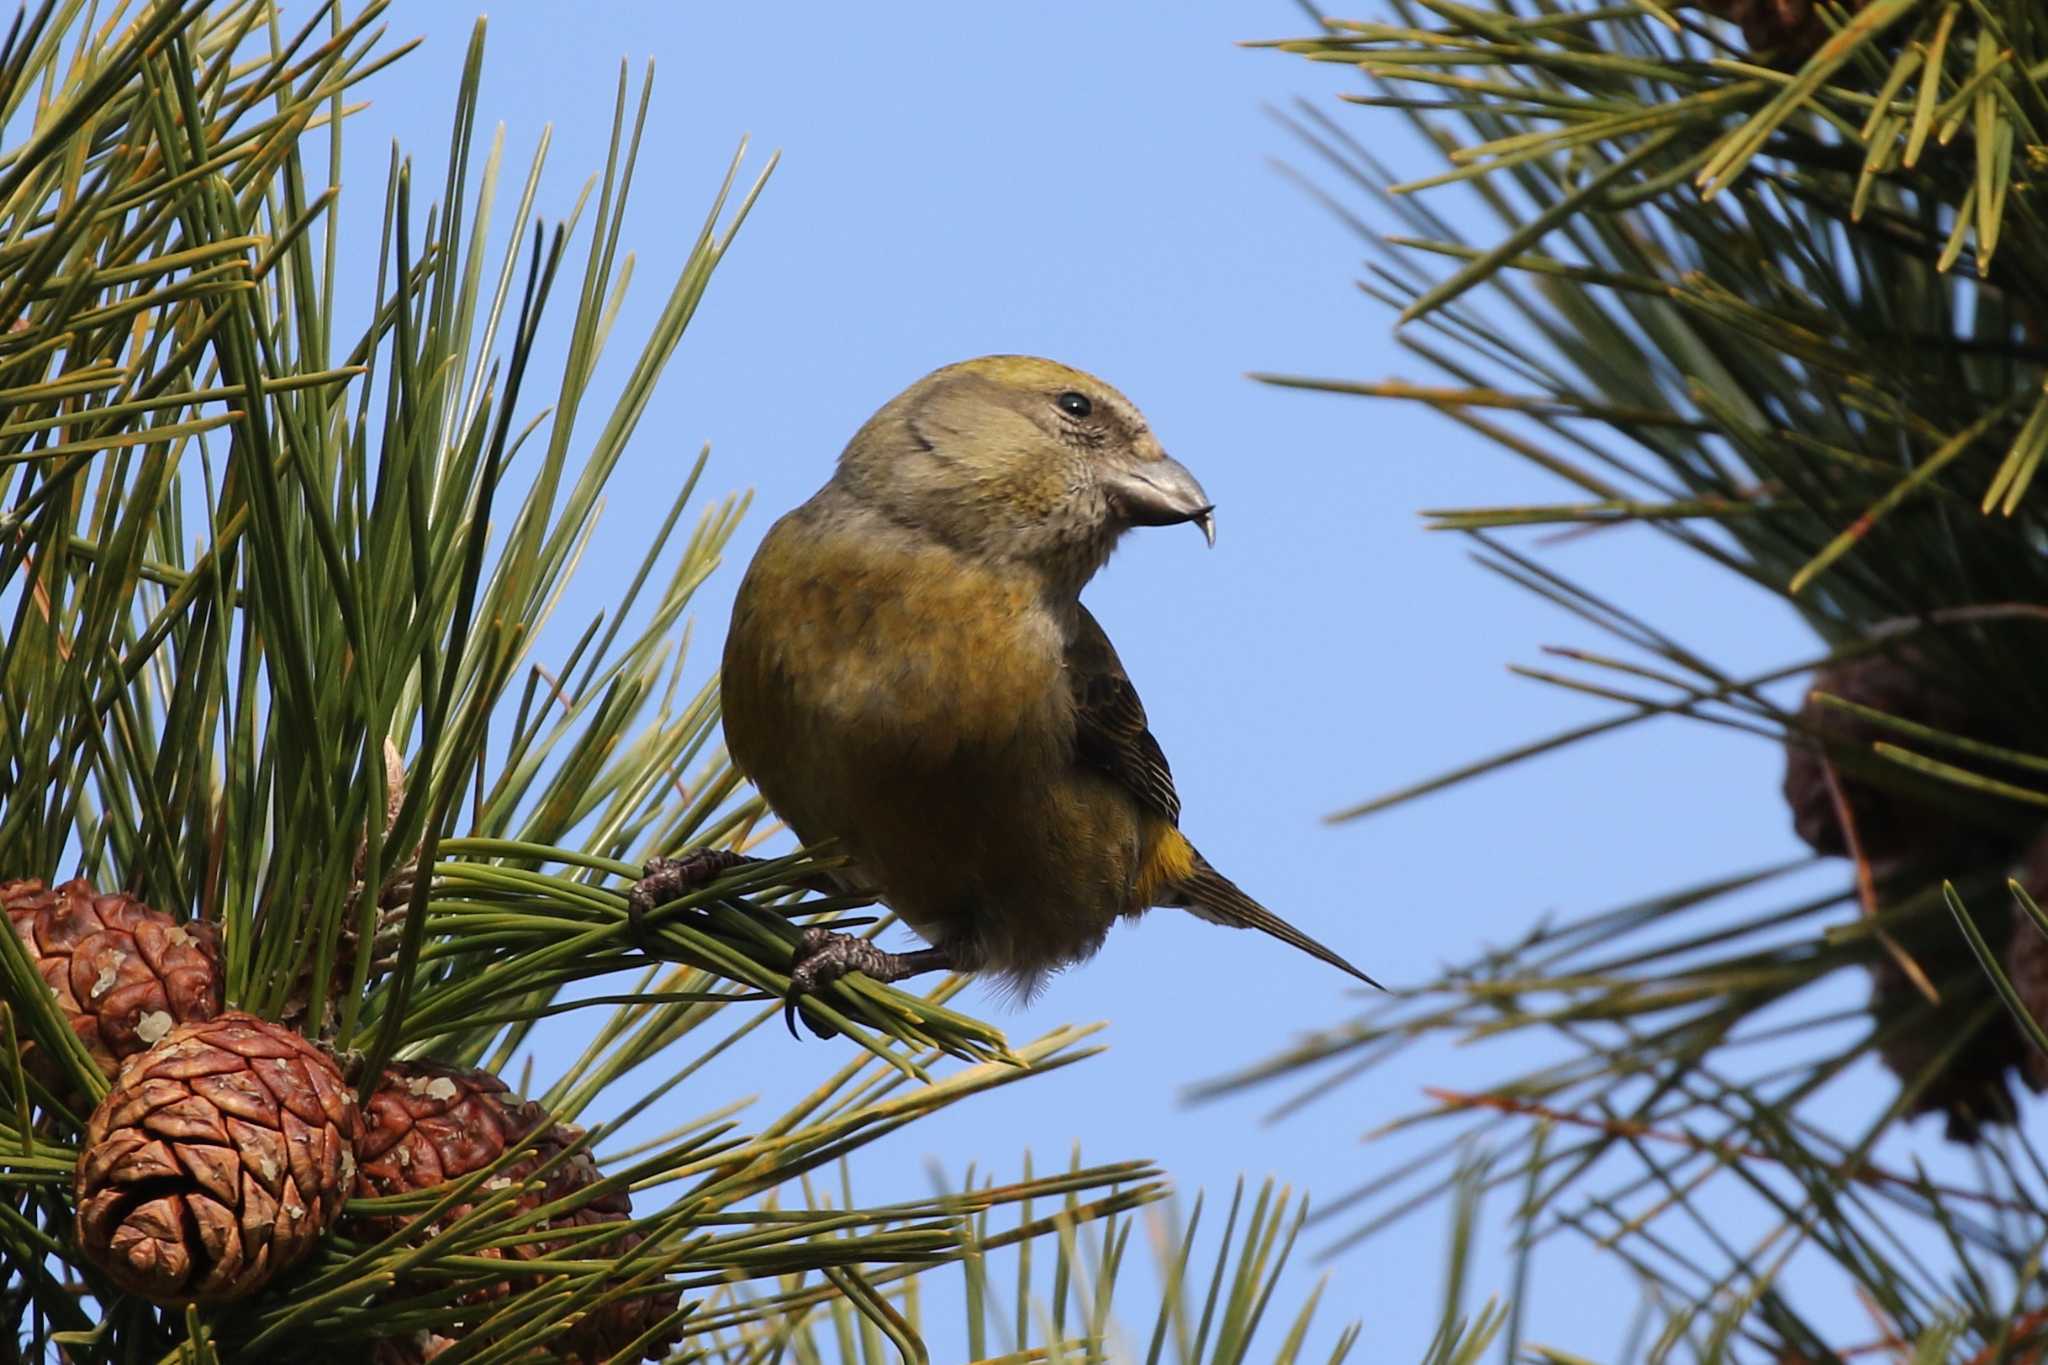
1793	30
417	1349
1891	826
123	974
1973	1090
2026	958
218	1160
428	1124
1972	1087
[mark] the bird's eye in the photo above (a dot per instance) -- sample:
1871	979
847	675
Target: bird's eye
1075	404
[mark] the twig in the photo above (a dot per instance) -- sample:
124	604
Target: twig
2023	1326
1866	885
1891	1340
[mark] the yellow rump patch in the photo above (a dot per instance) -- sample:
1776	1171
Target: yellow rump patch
1170	862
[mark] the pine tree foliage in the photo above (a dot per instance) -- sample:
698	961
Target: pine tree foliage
1777	300
284	552
1210	1305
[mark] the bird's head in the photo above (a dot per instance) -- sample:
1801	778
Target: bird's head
1020	458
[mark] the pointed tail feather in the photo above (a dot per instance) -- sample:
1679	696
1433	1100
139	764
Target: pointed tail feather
1218	899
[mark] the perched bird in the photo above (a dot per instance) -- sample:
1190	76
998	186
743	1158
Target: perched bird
911	676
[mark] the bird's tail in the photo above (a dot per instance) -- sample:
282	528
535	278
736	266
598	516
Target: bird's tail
1216	898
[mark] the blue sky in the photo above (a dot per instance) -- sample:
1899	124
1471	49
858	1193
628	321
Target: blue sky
1092	182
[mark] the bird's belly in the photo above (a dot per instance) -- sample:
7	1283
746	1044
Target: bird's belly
1020	877
1015	864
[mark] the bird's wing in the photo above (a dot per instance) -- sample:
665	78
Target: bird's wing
1112	739
1111	736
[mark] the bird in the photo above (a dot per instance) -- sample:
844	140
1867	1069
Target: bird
910	677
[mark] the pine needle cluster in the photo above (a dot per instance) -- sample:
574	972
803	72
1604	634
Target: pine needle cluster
1766	282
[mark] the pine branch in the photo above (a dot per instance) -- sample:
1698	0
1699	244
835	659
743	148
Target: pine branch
1771	294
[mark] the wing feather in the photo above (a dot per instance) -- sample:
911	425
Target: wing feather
1111	733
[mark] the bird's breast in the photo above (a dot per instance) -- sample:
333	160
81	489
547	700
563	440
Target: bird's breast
911	657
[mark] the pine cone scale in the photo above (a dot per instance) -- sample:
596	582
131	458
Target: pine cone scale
220	1237
313	1161
237	1095
190	1059
214	1168
259	1220
131	1159
149	1241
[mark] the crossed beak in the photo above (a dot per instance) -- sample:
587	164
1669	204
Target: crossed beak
1161	492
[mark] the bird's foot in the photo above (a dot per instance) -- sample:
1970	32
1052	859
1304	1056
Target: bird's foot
823	956
665	879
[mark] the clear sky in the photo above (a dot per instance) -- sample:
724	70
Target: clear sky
1092	182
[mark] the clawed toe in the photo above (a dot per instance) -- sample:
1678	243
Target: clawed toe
824	955
790	1014
821	958
665	879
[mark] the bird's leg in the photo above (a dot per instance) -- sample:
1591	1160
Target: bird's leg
665	879
823	956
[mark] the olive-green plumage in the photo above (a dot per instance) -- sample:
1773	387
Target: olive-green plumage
910	673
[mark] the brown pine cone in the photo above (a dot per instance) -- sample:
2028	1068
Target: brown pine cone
1972	1086
1790	29
123	974
427	1124
2026	958
219	1159
2026	962
1892	826
417	1349
1972	1089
